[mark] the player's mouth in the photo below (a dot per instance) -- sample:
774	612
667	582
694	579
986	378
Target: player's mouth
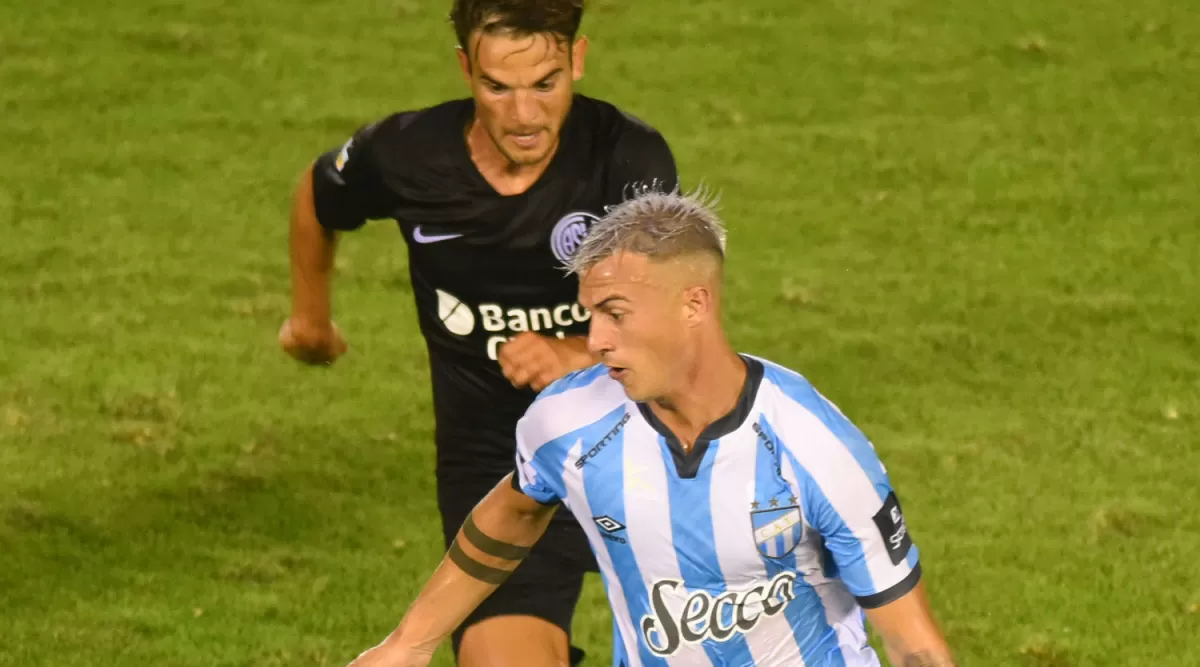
617	373
526	140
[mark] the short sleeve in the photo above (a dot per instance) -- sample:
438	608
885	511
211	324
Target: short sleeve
642	159
538	464
348	184
865	534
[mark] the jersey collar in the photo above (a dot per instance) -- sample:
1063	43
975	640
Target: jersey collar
688	464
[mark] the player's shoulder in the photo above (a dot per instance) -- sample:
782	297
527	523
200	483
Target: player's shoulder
786	391
415	131
621	129
811	425
573	402
577	379
788	380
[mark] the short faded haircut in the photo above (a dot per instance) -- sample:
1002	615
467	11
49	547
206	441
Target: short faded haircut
660	225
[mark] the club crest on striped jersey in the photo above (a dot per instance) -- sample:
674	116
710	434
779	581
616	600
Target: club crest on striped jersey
778	526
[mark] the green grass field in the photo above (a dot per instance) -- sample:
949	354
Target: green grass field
973	225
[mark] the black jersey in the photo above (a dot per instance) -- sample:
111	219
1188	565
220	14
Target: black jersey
485	266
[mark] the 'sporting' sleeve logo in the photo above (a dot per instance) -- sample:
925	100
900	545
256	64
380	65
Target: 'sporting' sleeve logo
569	233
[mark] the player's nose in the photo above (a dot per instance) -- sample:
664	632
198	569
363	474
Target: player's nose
527	109
598	343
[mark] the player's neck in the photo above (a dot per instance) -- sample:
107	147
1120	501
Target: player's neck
711	391
505	177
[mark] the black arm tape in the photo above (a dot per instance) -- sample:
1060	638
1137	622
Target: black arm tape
892	594
489	545
485	573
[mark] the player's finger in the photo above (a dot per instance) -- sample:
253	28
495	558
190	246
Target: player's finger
549	373
514	352
530	358
521	377
517	347
524	338
516	373
543	380
507	367
507	352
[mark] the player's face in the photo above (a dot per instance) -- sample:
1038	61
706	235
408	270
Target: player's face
639	324
523	88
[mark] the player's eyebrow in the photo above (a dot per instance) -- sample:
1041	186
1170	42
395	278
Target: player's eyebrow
490	79
609	300
554	72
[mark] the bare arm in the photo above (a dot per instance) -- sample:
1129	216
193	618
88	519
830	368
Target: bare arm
495	538
309	334
312	250
910	634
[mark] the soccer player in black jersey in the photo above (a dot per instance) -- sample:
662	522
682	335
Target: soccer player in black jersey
492	194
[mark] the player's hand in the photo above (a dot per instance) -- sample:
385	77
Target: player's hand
312	343
533	360
389	655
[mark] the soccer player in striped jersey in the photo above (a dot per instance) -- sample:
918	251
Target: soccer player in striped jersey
738	517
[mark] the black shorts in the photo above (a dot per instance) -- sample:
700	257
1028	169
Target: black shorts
545	585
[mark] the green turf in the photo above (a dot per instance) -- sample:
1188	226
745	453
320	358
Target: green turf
972	225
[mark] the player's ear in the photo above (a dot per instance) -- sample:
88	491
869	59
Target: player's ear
578	53
697	304
464	62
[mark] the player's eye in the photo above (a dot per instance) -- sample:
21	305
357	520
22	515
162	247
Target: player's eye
543	86
615	315
495	87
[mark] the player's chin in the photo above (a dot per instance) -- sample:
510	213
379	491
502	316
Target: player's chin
627	380
532	150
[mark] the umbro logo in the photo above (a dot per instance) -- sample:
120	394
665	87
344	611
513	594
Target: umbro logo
608	524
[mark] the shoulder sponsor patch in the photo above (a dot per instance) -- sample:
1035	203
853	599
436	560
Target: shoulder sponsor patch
890	522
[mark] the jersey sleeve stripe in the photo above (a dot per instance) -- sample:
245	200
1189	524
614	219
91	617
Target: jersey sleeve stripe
558	413
840	480
645	480
842	613
796	388
839	538
575	380
618	562
551	426
696	549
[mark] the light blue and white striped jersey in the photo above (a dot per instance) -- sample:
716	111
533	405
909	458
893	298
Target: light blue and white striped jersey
759	547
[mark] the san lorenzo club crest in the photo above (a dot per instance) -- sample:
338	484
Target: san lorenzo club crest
777	530
569	233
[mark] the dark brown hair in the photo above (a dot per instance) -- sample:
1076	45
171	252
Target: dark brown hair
560	18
